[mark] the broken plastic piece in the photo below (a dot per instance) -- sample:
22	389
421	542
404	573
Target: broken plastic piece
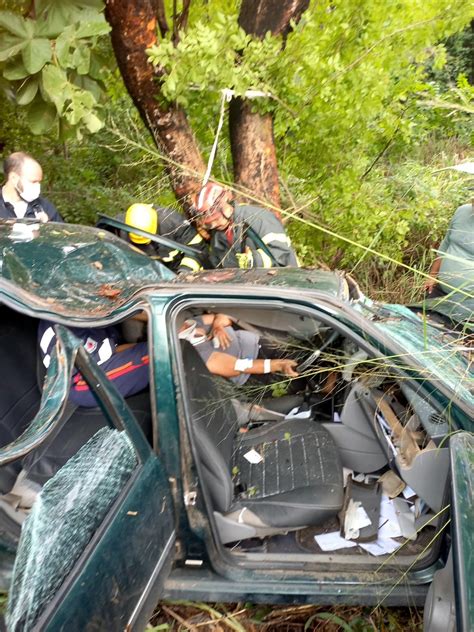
368	495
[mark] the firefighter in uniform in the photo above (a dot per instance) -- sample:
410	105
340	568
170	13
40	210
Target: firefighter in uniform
170	224
241	235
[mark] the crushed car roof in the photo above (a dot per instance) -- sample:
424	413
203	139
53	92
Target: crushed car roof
72	269
84	272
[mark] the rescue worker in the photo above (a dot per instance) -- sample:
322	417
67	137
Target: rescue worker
170	224
241	235
126	365
20	195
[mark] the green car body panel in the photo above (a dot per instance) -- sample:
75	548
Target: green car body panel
78	275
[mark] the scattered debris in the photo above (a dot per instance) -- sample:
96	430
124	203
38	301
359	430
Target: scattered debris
108	291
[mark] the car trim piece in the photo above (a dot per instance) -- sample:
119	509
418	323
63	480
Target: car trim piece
153	585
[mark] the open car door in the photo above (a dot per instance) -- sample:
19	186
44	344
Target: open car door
99	540
449	604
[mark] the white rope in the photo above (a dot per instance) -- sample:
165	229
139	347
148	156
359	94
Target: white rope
227	95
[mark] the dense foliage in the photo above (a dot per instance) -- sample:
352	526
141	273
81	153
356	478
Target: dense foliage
368	102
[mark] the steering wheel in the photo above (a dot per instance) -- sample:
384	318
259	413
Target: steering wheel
311	359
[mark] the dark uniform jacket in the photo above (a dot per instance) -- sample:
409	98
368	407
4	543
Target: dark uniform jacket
174	226
32	211
235	248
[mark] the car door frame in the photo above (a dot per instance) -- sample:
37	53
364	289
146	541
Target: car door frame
148	490
332	311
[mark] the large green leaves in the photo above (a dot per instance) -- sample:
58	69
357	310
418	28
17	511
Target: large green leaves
41	117
27	91
36	54
44	58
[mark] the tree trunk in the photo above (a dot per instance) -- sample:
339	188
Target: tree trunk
134	28
251	134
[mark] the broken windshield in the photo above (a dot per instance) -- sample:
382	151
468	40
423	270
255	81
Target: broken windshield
443	356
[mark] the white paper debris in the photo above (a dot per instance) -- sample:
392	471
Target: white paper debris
337	418
405	518
356	518
388	521
382	546
333	541
253	457
408	492
295	413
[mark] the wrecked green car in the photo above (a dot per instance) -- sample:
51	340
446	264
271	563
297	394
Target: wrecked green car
351	483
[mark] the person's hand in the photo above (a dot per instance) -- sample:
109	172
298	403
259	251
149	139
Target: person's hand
221	321
429	285
287	367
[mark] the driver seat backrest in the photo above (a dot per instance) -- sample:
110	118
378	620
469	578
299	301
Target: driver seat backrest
215	425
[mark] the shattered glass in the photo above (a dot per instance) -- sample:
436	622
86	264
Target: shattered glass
64	518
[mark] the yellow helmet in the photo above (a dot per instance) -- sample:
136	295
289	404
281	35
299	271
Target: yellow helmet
144	217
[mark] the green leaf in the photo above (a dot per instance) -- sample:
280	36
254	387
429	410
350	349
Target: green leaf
14	24
81	59
63	46
92	29
10	46
15	69
92	122
36	54
55	85
86	83
27	91
51	23
41	117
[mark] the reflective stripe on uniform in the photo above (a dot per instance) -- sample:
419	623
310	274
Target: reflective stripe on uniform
190	263
283	237
197	239
46	339
266	260
170	256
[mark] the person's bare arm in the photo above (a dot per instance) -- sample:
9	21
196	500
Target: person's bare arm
218	323
224	364
434	271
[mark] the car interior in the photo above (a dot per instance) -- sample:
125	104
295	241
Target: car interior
287	463
347	459
20	396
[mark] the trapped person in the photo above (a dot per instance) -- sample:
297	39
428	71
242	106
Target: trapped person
126	365
231	353
20	195
454	267
167	223
241	235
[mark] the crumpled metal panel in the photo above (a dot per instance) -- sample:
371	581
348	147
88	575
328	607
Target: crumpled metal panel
71	269
432	348
332	283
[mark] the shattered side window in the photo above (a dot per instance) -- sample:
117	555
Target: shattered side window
66	515
443	357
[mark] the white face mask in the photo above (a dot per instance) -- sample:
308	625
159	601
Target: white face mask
29	190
